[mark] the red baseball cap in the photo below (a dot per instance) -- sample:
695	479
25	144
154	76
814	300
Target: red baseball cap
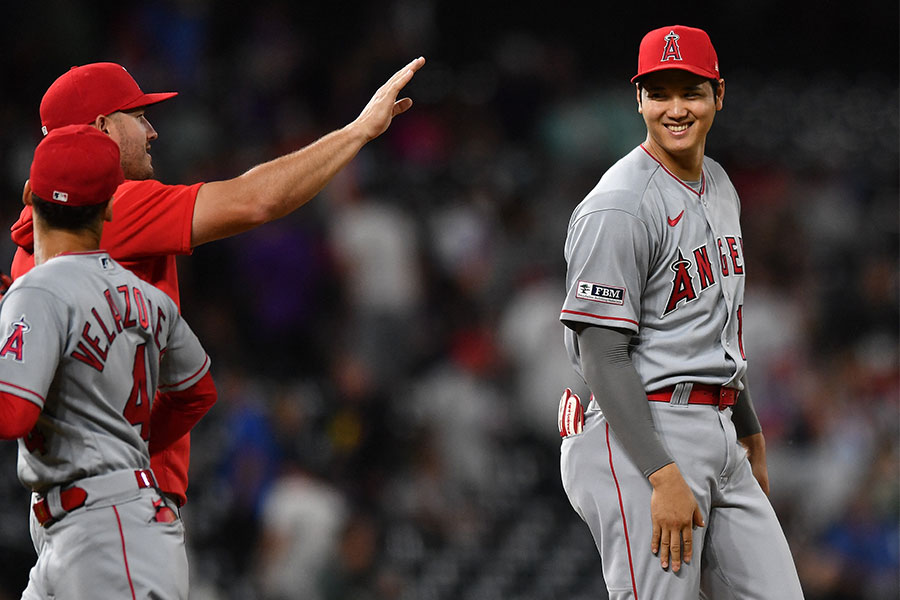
76	165
678	47
82	93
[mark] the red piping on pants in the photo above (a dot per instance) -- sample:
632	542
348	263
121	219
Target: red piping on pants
622	512
124	554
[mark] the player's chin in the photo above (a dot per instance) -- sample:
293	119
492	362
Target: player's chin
674	146
138	172
680	141
147	169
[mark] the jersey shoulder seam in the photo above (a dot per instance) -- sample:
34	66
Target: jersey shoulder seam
38	288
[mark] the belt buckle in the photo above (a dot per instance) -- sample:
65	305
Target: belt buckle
144	478
42	513
725	394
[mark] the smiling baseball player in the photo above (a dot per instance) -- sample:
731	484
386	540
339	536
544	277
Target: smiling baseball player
657	465
85	344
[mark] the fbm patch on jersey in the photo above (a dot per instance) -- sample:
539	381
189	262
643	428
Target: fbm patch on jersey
597	292
15	341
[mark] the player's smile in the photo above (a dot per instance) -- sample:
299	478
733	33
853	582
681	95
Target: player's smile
678	128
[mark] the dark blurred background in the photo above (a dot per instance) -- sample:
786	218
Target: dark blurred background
389	358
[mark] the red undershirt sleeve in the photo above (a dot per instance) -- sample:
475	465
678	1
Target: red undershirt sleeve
17	416
176	412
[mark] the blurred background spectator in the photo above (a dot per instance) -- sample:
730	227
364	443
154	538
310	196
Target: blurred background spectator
389	357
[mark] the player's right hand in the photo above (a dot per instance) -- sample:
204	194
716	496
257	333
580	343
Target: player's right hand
674	511
384	105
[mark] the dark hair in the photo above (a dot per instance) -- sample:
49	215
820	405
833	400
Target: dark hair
71	218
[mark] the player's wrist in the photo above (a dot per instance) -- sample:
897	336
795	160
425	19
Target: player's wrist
665	475
358	132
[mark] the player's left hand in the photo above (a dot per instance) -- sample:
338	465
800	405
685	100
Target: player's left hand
756	453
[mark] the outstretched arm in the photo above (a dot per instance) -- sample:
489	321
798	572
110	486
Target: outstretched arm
278	187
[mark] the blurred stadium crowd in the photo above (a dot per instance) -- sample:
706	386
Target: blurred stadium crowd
389	357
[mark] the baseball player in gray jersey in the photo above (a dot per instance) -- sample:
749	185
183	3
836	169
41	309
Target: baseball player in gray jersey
666	464
84	345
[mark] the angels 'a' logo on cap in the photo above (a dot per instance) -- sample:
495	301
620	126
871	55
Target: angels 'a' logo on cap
60	196
671	51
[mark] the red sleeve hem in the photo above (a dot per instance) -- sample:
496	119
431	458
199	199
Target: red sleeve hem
18	416
172	417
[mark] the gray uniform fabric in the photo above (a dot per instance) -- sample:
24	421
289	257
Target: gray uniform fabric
113	547
741	554
648	254
89	343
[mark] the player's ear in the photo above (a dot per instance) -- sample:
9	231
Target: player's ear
107	213
101	123
720	94
26	193
637	87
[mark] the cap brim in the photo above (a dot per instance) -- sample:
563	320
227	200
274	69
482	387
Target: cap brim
688	68
148	99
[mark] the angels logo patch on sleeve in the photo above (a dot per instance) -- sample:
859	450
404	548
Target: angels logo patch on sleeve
597	292
15	340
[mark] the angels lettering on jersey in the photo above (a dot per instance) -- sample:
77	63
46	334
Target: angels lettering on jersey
694	272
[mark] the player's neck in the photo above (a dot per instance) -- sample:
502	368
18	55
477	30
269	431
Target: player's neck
53	242
687	165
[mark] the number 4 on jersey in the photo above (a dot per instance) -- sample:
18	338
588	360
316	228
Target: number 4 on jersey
137	409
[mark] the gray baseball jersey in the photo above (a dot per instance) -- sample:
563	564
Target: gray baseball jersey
649	254
663	258
89	343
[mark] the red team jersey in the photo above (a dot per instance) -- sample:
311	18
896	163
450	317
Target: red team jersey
151	225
